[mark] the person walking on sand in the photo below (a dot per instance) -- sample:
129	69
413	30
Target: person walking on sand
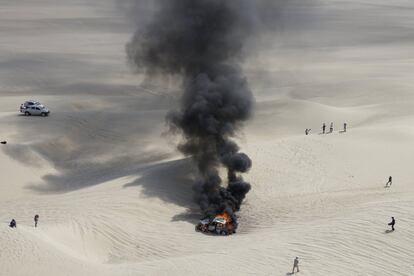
36	219
392	223
389	182
13	224
344	127
295	265
323	128
331	128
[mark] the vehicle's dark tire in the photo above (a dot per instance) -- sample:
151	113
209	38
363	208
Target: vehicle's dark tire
27	113
43	114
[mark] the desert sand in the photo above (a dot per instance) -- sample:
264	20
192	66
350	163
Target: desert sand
114	195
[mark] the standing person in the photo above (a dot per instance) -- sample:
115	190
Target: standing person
344	127
389	182
36	219
392	223
295	265
323	128
331	128
307	131
13	224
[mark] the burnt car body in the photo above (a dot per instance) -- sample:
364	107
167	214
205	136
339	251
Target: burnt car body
221	224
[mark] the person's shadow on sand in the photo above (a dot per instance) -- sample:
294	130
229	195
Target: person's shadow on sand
388	231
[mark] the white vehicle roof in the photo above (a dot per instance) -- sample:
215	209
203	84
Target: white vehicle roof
38	106
204	221
219	220
32	103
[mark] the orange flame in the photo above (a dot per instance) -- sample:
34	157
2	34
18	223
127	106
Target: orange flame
224	216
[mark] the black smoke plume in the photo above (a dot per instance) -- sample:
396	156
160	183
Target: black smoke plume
201	41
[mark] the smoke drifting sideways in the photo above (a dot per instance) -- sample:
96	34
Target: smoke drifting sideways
201	42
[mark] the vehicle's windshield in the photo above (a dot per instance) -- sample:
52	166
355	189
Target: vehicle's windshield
31	103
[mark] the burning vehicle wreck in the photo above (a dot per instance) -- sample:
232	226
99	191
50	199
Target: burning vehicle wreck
203	50
221	224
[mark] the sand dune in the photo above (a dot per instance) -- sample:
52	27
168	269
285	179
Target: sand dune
113	194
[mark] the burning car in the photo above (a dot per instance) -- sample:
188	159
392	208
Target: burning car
221	224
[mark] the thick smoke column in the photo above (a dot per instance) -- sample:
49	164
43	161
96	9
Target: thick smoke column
201	41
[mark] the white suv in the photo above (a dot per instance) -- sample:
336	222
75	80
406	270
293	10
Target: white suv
34	108
28	104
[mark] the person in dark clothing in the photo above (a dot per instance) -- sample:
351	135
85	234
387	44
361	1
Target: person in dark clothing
323	128
36	219
344	127
389	182
331	128
295	265
307	131
392	223
13	224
